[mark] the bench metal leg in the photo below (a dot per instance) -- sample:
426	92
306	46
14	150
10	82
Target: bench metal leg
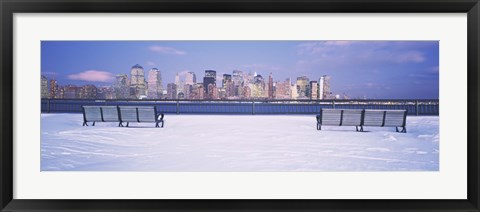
157	124
85	123
319	126
359	128
404	130
120	124
127	124
93	124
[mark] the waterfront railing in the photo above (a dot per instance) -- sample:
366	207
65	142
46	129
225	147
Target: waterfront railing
261	106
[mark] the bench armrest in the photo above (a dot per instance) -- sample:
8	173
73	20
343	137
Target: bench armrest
160	116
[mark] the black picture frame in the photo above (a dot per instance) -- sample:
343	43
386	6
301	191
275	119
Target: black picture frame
9	7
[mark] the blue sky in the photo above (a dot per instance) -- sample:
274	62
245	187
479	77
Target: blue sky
375	69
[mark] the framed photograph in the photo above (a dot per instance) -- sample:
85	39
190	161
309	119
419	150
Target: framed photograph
266	105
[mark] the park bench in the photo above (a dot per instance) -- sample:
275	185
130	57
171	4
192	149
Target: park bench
386	118
361	118
333	117
100	114
140	114
121	114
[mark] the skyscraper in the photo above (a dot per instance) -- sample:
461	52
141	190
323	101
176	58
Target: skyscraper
313	90
198	91
53	89
44	87
283	90
60	92
258	90
270	86
137	82
121	87
226	78
187	89
171	91
179	83
302	86
210	78
237	77
324	88
212	91
190	78
155	90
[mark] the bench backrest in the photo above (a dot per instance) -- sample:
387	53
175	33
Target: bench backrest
352	117
110	113
147	114
330	117
128	113
373	118
387	118
395	118
137	113
92	113
341	117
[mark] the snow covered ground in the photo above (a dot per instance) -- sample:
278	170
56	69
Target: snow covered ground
236	143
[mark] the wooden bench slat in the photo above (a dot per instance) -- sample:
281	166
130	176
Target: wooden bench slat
110	114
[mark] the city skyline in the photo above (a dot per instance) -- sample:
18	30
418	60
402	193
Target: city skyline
372	69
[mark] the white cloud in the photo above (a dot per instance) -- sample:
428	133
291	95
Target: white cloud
93	76
166	50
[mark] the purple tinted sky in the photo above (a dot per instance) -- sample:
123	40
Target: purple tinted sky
375	69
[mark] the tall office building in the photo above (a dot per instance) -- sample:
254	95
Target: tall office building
212	91
137	82
160	89
210	78
248	77
228	89
53	89
283	89
258	88
44	87
270	86
171	91
190	78
60	92
237	78
155	89
302	87
294	91
247	92
324	88
179	82
238	82
198	91
121	87
187	91
313	90
226	78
